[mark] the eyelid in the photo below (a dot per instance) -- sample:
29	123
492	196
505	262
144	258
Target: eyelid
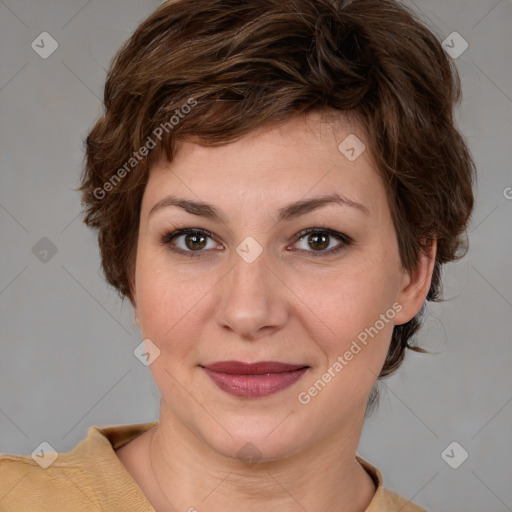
320	229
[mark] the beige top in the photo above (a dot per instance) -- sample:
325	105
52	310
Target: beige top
91	477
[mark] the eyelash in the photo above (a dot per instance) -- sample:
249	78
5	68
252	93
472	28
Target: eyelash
345	240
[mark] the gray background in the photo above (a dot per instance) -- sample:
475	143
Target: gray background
67	341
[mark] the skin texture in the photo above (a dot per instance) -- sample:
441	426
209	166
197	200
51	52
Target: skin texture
284	306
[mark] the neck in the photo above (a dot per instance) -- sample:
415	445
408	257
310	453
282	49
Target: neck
188	474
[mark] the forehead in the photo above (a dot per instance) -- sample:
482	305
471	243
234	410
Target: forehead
305	156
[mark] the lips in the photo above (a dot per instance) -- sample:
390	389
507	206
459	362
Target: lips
260	368
254	380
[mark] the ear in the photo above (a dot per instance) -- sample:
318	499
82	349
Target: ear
415	285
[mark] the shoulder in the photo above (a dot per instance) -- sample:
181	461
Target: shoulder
90	477
384	499
25	485
395	502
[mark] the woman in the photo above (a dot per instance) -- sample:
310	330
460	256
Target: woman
275	185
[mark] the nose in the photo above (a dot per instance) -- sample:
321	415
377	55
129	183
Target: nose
252	298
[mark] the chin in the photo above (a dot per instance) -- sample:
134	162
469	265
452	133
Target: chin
252	447
252	437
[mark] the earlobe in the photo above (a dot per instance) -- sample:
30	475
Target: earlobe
136	316
416	285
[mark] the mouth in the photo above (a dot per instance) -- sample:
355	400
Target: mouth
254	380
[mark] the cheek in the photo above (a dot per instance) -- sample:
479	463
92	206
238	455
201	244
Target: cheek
357	308
357	323
352	299
360	329
171	304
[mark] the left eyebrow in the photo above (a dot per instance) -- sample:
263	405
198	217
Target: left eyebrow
288	212
307	205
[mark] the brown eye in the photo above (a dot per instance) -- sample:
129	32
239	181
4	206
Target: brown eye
188	241
195	241
317	242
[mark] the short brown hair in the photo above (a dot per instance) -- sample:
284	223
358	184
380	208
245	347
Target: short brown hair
245	65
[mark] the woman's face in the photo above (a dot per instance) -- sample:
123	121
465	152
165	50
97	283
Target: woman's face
252	290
